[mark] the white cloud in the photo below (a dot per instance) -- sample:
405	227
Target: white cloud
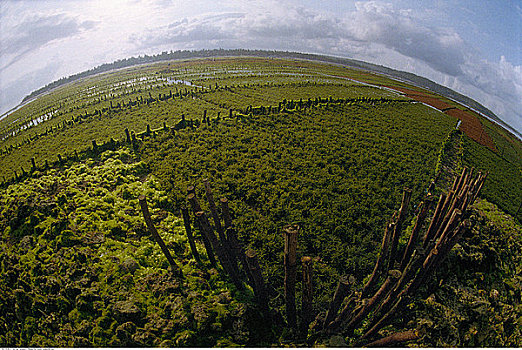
36	31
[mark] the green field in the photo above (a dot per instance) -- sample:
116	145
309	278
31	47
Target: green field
285	141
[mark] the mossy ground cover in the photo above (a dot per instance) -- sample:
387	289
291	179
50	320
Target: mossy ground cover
80	269
475	298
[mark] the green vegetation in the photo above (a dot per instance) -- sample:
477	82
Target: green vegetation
285	141
475	299
504	184
333	169
80	269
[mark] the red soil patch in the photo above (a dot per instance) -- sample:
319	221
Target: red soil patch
471	125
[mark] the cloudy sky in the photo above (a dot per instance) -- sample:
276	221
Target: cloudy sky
472	46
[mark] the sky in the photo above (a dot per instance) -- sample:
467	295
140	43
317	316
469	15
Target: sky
471	46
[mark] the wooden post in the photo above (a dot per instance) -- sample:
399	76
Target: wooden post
406	196
393	276
145	210
434	221
408	273
214	213
375	326
194	203
307	297
381	260
259	286
225	211
127	135
94	145
206	239
290	262
343	287
238	253
219	249
419	222
188	229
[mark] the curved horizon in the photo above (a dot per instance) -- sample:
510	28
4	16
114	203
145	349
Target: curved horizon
473	49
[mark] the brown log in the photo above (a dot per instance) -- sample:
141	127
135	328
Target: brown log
447	227
259	285
343	287
393	276
419	222
409	271
476	182
307	298
150	225
214	213
483	180
448	203
228	252
188	230
443	249
381	260
434	221
461	179
346	313
196	208
376	326
221	253
206	241
393	339
434	259
290	263
194	203
238	252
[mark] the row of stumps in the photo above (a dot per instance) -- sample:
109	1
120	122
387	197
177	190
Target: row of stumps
222	244
397	275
